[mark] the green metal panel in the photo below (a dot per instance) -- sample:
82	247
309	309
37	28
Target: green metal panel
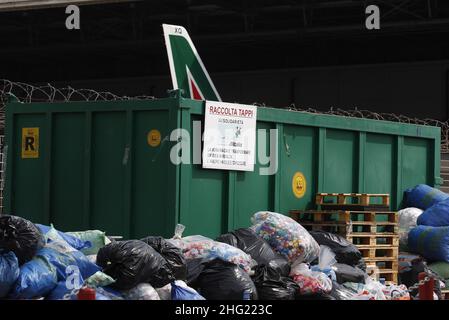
379	169
67	163
340	161
107	172
417	162
203	207
96	169
150	174
27	192
253	192
298	153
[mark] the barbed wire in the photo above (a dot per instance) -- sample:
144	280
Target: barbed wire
27	93
366	114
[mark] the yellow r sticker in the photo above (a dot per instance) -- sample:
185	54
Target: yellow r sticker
299	185
154	138
30	143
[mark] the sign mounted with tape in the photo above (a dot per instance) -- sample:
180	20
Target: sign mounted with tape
30	143
229	136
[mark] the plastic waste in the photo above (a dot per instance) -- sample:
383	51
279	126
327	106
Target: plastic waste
97	239
436	215
326	261
171	253
221	280
21	237
285	236
142	291
431	242
310	282
249	242
407	220
181	291
271	285
345	251
73	241
194	247
132	262
36	279
9	272
423	196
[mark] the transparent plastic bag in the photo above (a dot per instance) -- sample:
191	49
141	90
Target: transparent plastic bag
309	281
407	221
142	291
285	236
326	261
372	290
194	247
164	292
394	292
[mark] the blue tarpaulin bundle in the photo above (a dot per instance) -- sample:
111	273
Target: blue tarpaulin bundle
431	242
9	272
423	196
435	216
37	278
73	241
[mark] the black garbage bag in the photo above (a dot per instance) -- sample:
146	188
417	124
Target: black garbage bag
221	280
194	269
347	273
339	292
172	254
271	285
21	237
132	262
345	251
249	242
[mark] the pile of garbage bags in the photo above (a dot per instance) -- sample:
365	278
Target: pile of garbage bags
424	234
274	259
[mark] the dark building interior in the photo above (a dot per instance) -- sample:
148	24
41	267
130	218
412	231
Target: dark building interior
313	54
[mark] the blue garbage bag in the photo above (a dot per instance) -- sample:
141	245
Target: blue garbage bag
73	241
423	196
430	242
9	272
183	292
36	279
62	255
435	216
60	291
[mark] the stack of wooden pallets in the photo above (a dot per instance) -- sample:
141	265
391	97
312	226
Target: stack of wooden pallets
369	226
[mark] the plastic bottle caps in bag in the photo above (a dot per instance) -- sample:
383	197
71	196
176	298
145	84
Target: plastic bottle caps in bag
86	293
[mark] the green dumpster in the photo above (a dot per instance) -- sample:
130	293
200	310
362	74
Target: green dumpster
106	165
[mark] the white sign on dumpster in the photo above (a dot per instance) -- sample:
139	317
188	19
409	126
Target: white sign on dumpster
229	136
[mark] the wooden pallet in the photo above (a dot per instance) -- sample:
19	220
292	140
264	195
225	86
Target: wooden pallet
375	252
346	216
390	275
364	199
377	239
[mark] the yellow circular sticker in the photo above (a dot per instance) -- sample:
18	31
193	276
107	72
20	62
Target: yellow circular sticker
299	185
154	138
